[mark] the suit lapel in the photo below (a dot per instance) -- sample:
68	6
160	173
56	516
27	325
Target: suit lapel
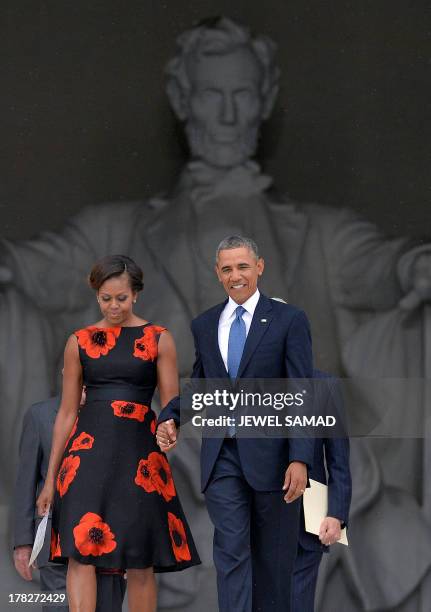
259	324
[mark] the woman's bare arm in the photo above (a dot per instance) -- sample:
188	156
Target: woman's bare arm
167	370
167	382
66	417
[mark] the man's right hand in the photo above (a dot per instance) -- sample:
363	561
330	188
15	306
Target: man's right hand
295	481
166	435
21	557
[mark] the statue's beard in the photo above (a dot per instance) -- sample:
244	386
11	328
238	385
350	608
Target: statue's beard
203	145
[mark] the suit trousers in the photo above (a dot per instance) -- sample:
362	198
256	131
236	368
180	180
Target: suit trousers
255	539
305	579
110	592
110	588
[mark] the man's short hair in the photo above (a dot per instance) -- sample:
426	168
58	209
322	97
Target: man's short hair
237	242
220	35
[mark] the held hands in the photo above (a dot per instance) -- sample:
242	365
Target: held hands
295	481
166	435
44	501
330	530
21	557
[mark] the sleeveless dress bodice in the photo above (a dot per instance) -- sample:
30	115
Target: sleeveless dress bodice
116	505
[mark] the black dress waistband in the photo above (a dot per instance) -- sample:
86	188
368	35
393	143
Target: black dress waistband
127	393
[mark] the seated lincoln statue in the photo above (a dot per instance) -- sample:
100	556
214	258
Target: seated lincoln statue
222	84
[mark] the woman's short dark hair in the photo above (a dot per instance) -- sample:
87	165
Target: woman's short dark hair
115	265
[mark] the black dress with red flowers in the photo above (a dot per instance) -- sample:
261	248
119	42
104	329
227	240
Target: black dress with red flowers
115	504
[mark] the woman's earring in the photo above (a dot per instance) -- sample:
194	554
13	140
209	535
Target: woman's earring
134	301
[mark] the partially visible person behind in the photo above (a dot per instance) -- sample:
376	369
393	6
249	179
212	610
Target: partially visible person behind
331	467
34	451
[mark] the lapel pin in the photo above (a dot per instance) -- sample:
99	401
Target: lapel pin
263	320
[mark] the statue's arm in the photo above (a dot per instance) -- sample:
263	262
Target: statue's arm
368	270
51	269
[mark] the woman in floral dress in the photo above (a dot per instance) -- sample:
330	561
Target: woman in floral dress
115	504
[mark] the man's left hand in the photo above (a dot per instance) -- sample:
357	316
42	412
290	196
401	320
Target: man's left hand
295	481
21	557
330	530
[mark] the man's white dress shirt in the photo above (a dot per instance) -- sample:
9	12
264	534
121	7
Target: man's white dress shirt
227	317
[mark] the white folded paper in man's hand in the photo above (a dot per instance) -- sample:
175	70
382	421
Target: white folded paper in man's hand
39	539
315	501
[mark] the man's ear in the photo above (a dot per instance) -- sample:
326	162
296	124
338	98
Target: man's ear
269	101
177	98
217	272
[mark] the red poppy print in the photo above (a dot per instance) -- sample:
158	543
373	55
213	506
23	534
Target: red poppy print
93	536
67	473
161	475
143	476
72	433
146	346
178	538
97	341
83	442
154	474
153	426
130	410
55	544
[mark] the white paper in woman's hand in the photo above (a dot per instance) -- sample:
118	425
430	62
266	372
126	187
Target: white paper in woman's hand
39	539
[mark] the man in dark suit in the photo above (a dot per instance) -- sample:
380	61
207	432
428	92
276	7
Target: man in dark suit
34	451
334	454
246	481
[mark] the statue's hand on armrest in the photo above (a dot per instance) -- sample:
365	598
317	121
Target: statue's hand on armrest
420	282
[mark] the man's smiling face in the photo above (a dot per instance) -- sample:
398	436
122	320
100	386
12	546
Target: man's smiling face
238	270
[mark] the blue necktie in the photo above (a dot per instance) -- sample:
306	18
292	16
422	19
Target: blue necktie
237	338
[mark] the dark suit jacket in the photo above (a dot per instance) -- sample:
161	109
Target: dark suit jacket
34	451
331	460
277	347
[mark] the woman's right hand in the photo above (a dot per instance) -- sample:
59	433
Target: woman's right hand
44	501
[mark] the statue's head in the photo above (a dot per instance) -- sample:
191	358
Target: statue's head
222	84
